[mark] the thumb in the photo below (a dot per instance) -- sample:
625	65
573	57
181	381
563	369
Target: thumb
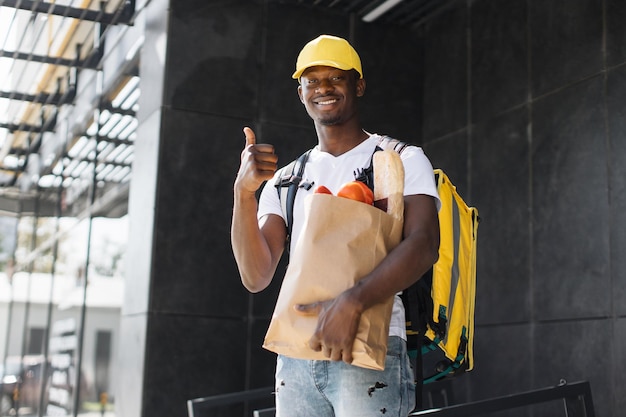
312	309
250	136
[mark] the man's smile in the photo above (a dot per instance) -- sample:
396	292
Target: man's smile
327	101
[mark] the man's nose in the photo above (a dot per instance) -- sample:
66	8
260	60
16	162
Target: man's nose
325	86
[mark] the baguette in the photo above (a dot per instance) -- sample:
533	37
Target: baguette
389	183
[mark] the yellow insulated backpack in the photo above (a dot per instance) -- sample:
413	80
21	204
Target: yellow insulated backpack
440	306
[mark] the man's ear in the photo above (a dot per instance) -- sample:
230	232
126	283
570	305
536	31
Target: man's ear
300	94
360	87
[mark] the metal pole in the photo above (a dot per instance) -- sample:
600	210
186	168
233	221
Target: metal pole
10	272
92	198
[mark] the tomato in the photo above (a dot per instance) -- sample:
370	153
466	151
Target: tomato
357	190
322	190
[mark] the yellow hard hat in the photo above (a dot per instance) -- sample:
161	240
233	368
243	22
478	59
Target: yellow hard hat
330	51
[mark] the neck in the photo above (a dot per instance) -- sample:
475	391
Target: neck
337	140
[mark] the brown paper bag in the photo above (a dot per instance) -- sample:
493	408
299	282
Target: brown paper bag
342	240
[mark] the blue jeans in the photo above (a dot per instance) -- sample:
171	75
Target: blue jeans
307	388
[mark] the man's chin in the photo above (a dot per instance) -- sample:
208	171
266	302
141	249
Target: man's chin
329	121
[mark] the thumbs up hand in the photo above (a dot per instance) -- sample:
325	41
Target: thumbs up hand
258	163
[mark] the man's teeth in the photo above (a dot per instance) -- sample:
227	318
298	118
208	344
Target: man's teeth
327	101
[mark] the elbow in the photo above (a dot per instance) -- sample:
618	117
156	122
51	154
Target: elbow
254	285
253	288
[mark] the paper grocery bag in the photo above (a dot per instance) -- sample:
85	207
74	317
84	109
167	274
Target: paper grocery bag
341	241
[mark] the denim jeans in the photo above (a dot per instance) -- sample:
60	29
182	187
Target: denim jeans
306	388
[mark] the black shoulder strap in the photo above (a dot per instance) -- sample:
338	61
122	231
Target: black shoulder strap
287	185
366	175
386	142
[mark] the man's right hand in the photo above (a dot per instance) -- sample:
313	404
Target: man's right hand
258	163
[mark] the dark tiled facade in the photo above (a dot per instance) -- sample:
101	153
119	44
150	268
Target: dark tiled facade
521	102
546	131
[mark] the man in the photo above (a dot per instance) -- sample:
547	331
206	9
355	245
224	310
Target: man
330	84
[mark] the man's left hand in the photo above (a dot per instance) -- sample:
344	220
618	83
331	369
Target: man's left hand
337	325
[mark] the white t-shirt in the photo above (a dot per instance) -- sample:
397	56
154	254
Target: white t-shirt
333	171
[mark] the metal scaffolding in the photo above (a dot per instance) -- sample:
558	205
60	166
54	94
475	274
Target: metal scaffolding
45	50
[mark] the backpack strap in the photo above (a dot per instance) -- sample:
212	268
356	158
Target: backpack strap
386	142
287	185
366	175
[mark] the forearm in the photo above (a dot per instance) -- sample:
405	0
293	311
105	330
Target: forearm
403	266
250	247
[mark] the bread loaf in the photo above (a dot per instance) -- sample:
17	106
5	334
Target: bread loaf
389	182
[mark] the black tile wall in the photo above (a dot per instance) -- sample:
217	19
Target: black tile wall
499	57
391	60
570	204
544	167
500	172
619	352
566	42
501	358
193	259
262	361
570	351
445	80
214	58
615	32
196	357
450	154
616	91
